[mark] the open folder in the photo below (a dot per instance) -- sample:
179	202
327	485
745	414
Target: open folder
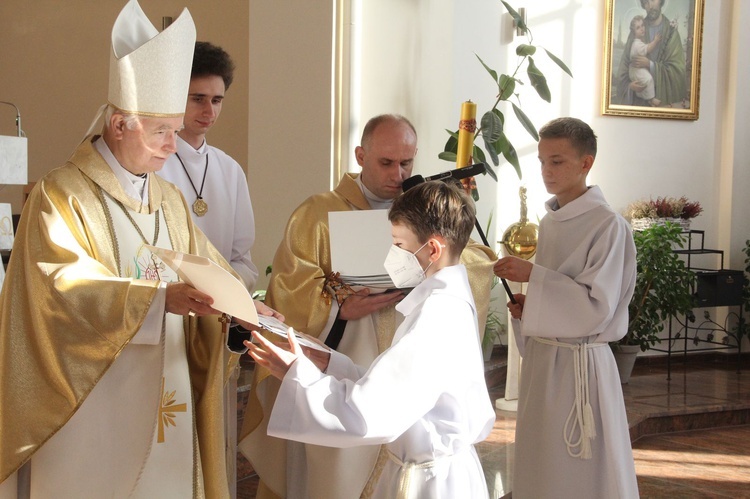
229	294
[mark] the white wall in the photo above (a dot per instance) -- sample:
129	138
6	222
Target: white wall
418	59
54	64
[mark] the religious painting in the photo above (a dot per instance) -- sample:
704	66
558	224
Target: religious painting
652	58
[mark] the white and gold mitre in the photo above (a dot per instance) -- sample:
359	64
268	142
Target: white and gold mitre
149	72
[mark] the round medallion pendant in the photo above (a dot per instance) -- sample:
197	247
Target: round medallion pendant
200	207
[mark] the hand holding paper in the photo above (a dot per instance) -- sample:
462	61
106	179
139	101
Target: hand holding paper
229	295
278	359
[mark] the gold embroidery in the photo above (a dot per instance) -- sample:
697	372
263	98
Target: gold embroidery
167	410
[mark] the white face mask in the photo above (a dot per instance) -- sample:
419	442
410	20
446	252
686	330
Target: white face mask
404	268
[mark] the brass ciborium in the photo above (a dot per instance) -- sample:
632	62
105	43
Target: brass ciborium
521	237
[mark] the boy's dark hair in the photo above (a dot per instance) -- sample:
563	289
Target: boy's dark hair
581	136
212	60
436	208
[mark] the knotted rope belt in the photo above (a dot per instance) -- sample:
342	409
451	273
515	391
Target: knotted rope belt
581	417
407	472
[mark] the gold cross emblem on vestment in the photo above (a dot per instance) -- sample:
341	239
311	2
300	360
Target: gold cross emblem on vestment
167	411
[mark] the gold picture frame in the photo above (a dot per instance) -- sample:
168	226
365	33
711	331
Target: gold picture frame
665	82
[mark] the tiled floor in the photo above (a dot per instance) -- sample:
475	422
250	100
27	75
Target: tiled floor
691	434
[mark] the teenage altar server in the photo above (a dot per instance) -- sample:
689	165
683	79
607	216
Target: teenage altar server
213	183
425	396
572	437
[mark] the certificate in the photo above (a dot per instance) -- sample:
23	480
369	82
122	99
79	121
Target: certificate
229	294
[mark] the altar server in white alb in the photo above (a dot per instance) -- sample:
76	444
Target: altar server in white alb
425	396
112	371
212	182
572	438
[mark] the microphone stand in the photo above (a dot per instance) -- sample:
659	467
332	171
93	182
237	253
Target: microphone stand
18	117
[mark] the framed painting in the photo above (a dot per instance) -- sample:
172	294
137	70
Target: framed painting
652	58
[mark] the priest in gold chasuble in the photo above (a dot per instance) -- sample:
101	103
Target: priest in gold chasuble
113	372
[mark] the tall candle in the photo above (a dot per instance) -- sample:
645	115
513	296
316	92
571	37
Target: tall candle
466	129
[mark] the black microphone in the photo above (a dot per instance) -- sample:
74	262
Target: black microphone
457	174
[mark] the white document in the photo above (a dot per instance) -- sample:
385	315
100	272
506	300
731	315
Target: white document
360	241
229	294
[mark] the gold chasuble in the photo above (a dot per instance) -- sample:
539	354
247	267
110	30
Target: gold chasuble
300	263
81	281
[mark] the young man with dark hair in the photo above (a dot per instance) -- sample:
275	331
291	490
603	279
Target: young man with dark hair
425	396
572	437
212	182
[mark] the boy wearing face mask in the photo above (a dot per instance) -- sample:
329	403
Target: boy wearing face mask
425	397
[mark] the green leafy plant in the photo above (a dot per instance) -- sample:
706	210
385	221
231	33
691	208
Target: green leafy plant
663	285
492	123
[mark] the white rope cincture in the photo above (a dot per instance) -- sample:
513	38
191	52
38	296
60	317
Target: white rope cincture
581	417
406	473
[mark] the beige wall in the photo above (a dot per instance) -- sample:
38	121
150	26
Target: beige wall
276	122
54	59
290	113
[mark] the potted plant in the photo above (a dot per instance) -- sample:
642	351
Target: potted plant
645	213
663	288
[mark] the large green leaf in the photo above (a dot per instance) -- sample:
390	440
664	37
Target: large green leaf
447	156
491	173
491	71
491	150
501	144
507	86
452	144
526	122
495	147
499	115
492	126
538	81
516	16
558	62
525	49
512	157
478	155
